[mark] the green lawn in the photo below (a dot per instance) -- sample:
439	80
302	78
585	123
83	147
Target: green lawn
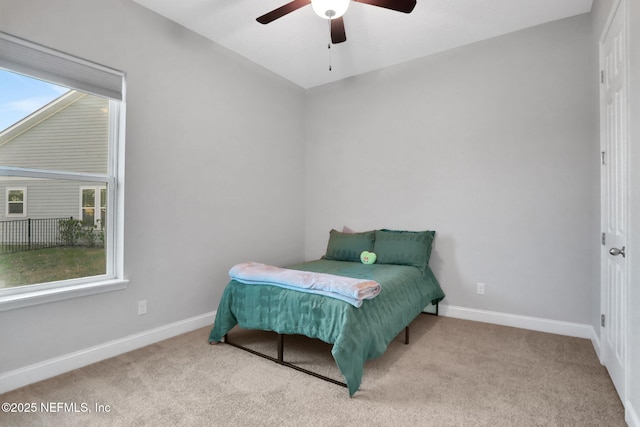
48	265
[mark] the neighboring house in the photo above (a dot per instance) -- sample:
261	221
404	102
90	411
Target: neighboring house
45	140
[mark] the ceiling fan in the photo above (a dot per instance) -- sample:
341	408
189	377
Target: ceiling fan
333	10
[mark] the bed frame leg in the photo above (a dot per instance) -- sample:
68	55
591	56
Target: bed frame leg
406	330
280	348
437	306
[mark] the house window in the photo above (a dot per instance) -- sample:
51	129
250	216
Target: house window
93	206
73	139
16	202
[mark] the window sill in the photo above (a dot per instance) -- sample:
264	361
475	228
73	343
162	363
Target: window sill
12	302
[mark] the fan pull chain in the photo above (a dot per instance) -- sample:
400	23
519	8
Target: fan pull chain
329	44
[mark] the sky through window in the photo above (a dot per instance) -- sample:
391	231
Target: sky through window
21	95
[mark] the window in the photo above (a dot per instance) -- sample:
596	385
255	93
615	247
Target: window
16	202
69	151
93	206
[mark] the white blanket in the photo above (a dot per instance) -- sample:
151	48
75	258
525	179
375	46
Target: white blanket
348	289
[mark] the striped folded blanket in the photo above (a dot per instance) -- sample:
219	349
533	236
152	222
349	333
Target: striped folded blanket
348	289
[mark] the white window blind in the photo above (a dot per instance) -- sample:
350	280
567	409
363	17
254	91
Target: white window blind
43	63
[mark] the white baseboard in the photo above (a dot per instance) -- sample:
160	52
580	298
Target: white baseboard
595	340
631	416
49	368
524	322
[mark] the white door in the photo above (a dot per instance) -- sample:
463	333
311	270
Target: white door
614	196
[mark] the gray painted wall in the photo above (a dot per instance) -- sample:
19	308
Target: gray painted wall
493	145
212	172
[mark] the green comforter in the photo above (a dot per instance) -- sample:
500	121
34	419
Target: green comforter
357	334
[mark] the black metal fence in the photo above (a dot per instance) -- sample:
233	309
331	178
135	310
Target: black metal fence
27	234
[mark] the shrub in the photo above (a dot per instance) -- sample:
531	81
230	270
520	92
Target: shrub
70	231
89	236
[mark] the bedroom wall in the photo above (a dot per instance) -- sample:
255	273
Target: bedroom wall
212	172
493	145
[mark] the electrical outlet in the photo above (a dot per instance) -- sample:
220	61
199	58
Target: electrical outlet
142	307
480	288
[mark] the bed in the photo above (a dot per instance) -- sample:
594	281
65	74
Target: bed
358	334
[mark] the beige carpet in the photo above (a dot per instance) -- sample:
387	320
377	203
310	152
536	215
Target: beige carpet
453	373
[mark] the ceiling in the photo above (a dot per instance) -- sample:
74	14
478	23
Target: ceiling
295	46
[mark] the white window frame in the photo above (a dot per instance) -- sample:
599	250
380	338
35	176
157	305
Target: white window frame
20	56
8	213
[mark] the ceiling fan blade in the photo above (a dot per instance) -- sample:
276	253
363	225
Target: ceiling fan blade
338	34
282	10
405	6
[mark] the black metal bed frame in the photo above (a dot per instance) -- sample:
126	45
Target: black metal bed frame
280	357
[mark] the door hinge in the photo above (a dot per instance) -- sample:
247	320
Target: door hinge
601	76
603	158
604	239
602	322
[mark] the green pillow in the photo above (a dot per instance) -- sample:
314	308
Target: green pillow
348	246
404	247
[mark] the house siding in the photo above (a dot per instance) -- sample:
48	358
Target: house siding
71	139
49	198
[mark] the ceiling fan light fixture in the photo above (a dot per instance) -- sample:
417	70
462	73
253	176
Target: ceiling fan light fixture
330	9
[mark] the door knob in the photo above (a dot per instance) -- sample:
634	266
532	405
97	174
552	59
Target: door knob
616	251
